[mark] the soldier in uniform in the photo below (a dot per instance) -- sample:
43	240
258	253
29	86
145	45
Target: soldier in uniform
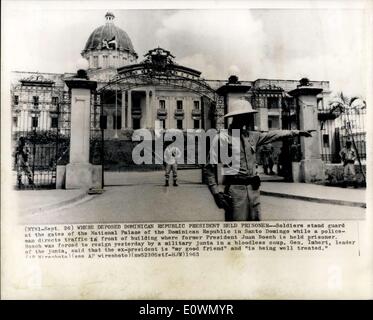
348	156
240	198
267	158
171	154
21	161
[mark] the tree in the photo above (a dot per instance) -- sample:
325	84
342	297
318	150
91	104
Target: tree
342	103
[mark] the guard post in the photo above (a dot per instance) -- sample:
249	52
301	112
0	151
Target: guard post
80	173
311	167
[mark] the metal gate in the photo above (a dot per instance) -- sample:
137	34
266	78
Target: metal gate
337	125
96	150
41	143
343	120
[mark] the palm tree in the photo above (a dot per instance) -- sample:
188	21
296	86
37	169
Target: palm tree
343	104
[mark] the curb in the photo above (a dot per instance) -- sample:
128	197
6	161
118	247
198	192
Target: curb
317	200
53	206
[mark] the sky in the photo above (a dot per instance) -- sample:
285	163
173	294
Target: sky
324	44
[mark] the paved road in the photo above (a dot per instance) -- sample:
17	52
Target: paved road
150	201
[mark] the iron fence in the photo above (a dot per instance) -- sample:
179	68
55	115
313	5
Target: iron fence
40	141
339	125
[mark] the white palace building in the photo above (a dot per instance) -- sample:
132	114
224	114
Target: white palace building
130	101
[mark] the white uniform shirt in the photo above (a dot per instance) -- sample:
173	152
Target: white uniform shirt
171	154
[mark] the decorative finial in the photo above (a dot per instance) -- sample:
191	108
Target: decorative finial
82	66
233	79
304	82
109	16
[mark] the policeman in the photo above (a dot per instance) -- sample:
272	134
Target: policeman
348	157
240	198
171	154
21	161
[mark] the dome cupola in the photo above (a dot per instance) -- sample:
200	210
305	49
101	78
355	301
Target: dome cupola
109	46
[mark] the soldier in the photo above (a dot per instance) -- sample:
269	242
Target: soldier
267	159
348	157
284	164
171	154
21	161
241	194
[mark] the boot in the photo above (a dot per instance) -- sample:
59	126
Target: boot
175	183
166	184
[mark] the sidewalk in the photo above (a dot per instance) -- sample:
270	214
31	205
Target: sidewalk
33	201
315	193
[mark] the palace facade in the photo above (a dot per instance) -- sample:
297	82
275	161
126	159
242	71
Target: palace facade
130	101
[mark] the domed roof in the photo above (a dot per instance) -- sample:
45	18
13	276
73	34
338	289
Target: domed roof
109	32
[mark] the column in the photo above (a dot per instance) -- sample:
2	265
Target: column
170	115
153	110
280	108
263	118
148	111
79	172
311	165
129	110
124	116
100	59
24	116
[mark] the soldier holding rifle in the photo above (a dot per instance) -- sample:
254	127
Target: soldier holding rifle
348	156
22	155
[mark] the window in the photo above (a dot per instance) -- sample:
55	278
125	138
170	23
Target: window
95	62
54	101
196	104
16	100
325	140
272	102
163	124
162	104
103	122
54	122
196	124
15	122
35	100
136	124
179	104
179	124
35	122
273	122
117	122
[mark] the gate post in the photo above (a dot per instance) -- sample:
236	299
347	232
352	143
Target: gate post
311	165
79	172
